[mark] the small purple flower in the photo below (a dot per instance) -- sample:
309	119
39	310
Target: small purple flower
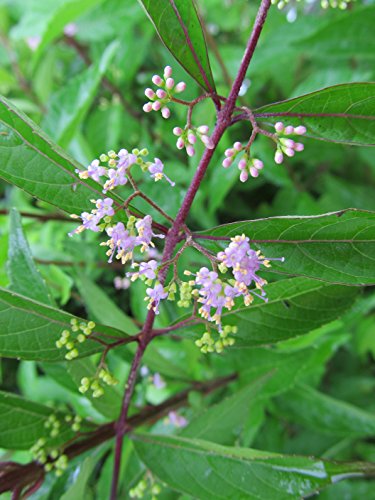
121	241
155	295
144	228
158	381
117	177
104	208
90	221
177	420
125	159
95	171
147	269
156	171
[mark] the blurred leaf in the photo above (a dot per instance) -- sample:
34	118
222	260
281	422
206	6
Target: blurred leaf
24	277
295	306
325	414
69	105
179	27
336	247
29	329
102	308
224	422
32	162
79	489
48	19
349	36
22	423
342	113
206	470
60	283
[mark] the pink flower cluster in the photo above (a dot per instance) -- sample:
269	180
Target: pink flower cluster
188	137
286	145
246	165
164	94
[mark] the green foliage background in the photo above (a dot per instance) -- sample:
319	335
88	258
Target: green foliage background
305	376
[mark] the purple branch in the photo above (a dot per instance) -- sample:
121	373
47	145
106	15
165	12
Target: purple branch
173	237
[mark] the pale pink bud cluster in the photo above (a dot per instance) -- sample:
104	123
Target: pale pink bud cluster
188	137
246	165
159	99
285	145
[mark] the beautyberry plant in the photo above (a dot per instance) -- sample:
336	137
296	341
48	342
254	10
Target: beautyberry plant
183	314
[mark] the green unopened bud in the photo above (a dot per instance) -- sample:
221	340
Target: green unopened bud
98	393
81	338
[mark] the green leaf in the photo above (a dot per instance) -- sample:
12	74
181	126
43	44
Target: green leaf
22	423
349	36
342	113
29	330
24	277
206	470
47	20
102	308
69	105
179	27
337	247
224	422
323	413
296	306
80	488
32	162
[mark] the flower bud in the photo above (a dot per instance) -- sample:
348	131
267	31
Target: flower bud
165	113
300	130
180	143
156	106
161	93
279	157
237	146
298	146
169	83
289	143
156	80
147	107
279	127
190	150
244	176
192	139
289	152
229	152
227	162
180	87
167	72
254	172
177	131
203	129
289	130
258	164
242	164
149	93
